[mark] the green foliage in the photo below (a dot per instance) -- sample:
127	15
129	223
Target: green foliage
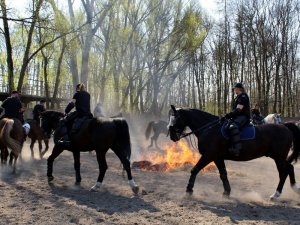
190	31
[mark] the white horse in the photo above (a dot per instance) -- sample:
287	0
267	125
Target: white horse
274	118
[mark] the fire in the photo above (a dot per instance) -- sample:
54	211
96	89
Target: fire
175	155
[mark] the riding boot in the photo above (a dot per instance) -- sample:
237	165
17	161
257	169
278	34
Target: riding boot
235	140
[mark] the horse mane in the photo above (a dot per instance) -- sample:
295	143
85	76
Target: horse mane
198	116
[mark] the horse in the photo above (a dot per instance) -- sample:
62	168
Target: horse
272	140
99	134
12	137
158	127
36	133
274	118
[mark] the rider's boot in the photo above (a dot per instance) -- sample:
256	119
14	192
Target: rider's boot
235	140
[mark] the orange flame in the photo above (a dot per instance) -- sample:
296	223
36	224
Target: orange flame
175	155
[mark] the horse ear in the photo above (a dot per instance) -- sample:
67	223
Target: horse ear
173	108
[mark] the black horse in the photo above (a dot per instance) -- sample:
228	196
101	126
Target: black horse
99	134
158	127
36	133
271	140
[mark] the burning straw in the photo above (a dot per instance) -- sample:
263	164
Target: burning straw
175	155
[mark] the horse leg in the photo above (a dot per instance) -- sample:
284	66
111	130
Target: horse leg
46	141
203	161
76	156
283	173
293	183
40	147
31	146
102	168
57	150
223	175
126	165
4	155
151	144
155	141
13	161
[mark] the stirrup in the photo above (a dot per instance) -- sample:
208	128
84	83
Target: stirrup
65	143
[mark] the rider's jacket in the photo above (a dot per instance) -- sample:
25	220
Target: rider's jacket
12	106
82	104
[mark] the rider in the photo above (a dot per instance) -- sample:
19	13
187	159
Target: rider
256	116
13	109
38	109
238	118
81	102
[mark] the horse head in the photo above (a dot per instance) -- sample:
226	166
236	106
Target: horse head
176	124
50	120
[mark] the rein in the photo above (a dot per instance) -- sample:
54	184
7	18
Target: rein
204	127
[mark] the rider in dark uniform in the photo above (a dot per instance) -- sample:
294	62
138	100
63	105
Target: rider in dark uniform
81	102
38	109
238	118
13	107
256	116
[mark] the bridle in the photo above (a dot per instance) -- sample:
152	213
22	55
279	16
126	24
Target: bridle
200	129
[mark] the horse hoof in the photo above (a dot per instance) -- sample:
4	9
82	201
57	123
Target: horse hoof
96	187
50	178
189	191
275	196
296	188
77	183
226	194
136	190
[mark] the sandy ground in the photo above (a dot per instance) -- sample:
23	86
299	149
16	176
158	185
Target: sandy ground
27	198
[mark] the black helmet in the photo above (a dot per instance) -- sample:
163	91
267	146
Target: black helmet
238	85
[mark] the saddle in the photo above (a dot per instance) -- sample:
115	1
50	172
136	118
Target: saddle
78	123
248	132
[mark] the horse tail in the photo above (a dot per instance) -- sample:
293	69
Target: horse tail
13	144
296	142
123	136
148	130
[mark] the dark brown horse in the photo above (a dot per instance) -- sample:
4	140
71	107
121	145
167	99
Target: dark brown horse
99	134
36	133
158	127
12	137
271	140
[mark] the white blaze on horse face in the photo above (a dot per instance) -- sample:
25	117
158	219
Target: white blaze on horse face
171	122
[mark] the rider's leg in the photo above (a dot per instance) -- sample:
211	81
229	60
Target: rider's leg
234	130
235	139
66	141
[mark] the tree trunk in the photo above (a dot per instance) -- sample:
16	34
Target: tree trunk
28	44
9	58
58	73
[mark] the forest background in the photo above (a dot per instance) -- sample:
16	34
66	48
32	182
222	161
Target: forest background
140	56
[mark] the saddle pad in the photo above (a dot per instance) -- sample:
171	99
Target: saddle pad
247	132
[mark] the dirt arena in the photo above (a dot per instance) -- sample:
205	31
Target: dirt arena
27	198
